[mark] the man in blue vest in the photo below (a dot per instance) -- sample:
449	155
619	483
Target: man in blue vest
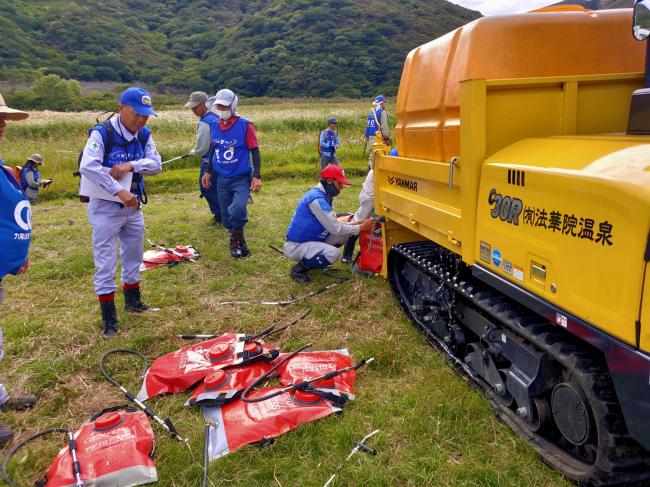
31	178
15	237
378	120
205	132
115	148
236	158
328	142
315	232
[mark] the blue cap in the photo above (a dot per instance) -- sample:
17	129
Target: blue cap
331	120
380	99
138	99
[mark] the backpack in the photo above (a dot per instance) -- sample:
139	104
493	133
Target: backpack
109	141
371	253
17	171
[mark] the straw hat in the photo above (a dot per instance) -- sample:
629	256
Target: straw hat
10	113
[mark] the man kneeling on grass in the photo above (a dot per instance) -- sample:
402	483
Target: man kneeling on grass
315	233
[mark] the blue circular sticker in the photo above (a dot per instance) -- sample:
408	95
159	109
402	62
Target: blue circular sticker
496	257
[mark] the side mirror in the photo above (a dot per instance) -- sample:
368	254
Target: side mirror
641	25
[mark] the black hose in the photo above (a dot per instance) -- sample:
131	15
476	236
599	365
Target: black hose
109	378
19	446
265	376
165	423
303	385
272	330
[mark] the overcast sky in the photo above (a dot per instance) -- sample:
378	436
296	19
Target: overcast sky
496	7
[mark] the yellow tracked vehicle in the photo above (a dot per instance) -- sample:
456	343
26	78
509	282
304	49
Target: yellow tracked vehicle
517	234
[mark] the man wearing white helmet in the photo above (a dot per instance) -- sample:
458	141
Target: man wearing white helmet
236	158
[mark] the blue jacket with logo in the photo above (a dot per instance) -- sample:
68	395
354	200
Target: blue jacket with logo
15	224
304	226
123	150
231	156
372	126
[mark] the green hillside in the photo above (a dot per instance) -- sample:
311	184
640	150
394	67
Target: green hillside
258	47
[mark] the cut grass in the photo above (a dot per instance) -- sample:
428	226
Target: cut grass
435	428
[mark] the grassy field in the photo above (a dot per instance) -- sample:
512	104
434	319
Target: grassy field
287	135
435	428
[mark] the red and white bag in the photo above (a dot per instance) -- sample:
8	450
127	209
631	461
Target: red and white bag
237	423
114	449
371	252
178	371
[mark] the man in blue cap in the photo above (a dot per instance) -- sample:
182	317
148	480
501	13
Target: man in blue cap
116	147
378	120
328	142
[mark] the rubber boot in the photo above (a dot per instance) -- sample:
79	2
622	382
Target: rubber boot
243	246
299	273
217	219
6	435
348	250
20	403
132	301
109	317
238	247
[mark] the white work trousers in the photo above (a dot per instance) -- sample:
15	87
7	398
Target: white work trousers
308	250
366	198
4	395
110	223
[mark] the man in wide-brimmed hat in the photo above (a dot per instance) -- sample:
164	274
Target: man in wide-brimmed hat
31	178
15	236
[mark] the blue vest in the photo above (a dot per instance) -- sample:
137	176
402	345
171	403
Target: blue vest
24	172
213	121
118	150
372	126
15	224
304	226
330	143
231	155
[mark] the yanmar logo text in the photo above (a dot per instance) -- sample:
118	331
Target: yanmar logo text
403	183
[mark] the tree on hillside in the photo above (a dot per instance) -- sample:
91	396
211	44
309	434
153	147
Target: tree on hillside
55	93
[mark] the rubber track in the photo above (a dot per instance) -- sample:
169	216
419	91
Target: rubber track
620	460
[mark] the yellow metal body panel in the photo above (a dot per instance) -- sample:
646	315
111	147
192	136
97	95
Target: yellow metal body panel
533	45
569	169
579	236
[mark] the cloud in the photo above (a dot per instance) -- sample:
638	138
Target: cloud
497	7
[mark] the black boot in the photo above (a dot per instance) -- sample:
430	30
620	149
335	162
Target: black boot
238	247
217	219
109	317
132	301
348	250
299	273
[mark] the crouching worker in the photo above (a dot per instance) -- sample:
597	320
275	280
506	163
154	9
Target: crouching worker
116	147
315	233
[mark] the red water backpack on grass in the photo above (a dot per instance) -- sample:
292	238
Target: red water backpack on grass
114	449
237	423
178	371
371	252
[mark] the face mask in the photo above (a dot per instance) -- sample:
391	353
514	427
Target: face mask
330	189
224	114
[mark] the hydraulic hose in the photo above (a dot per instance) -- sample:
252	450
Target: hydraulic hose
72	446
167	424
